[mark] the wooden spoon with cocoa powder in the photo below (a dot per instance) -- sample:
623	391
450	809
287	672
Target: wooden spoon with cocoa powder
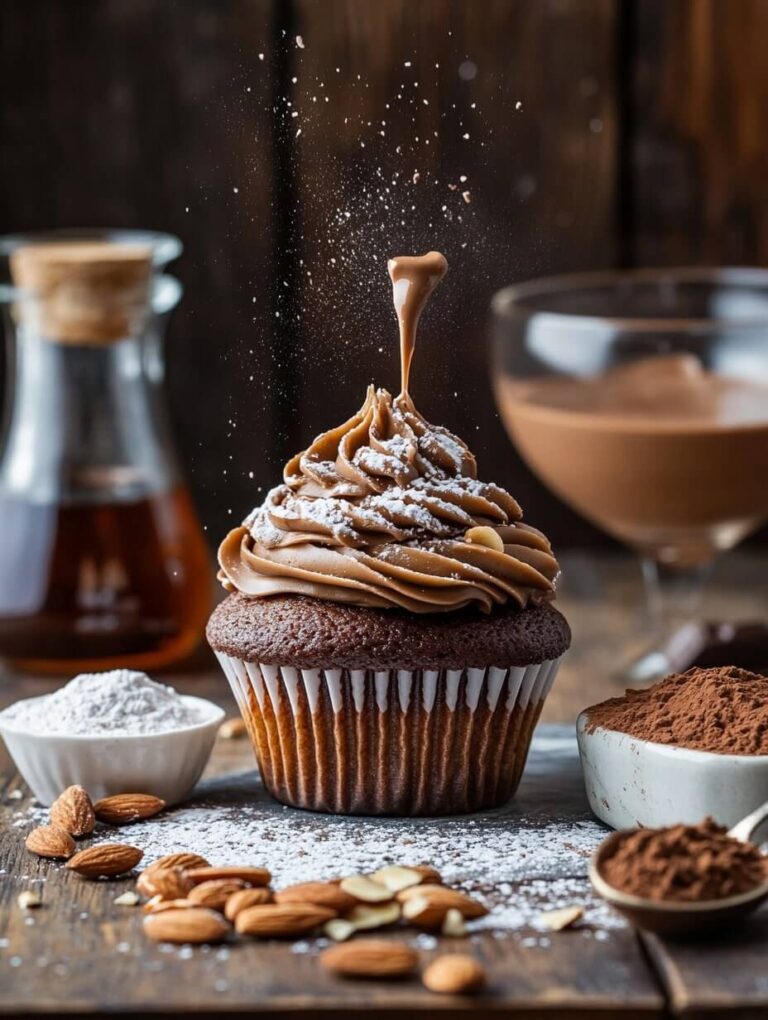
682	917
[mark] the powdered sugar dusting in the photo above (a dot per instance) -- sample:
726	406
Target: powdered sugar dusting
522	859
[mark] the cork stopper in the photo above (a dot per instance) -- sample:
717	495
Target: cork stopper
83	292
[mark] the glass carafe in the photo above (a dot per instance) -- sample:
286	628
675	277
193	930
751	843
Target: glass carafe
103	562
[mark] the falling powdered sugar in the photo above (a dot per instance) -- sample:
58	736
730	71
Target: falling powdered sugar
121	702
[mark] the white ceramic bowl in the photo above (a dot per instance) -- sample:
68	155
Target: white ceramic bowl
165	764
633	782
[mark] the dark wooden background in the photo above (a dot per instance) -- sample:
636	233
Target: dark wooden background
641	138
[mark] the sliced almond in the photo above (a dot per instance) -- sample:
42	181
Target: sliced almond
453	926
339	929
281	920
454	974
194	925
233	729
370	958
429	909
250	876
186	861
105	860
366	916
50	841
126	808
167	883
396	878
324	894
73	811
483	535
214	893
127	899
559	920
364	889
29	899
244	898
425	889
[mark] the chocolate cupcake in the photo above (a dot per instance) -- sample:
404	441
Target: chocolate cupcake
389	635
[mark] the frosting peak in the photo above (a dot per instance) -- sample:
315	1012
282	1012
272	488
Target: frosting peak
386	510
386	443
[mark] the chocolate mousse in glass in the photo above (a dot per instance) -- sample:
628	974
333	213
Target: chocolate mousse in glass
641	399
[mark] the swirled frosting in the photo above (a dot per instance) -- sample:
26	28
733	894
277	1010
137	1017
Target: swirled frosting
384	511
376	512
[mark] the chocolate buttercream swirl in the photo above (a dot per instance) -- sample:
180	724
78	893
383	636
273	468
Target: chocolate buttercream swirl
386	510
376	513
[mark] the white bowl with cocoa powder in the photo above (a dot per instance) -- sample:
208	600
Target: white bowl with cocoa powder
632	782
693	745
117	732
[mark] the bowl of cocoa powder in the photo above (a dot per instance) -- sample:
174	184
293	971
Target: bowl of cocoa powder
693	745
680	879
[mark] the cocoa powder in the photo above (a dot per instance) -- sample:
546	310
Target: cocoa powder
723	710
684	863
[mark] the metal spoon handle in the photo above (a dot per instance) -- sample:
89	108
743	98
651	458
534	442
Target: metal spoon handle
744	829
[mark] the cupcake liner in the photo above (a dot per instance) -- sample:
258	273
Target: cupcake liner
397	742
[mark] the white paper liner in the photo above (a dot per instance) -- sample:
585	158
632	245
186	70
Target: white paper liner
392	741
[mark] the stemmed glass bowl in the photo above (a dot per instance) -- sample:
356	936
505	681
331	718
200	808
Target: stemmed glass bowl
640	398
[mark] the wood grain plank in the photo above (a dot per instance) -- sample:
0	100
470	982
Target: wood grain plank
81	950
724	976
699	117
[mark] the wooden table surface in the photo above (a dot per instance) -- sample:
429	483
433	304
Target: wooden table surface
80	953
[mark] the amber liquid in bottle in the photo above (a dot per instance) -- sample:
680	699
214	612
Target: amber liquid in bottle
94	586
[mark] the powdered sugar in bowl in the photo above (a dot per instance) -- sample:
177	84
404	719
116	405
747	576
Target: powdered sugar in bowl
112	733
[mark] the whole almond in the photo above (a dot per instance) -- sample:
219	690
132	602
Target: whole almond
73	811
157	906
233	729
323	894
125	808
193	925
50	841
248	875
105	860
428	873
425	889
167	883
244	898
179	860
214	893
281	920
373	958
454	974
422	913
429	909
